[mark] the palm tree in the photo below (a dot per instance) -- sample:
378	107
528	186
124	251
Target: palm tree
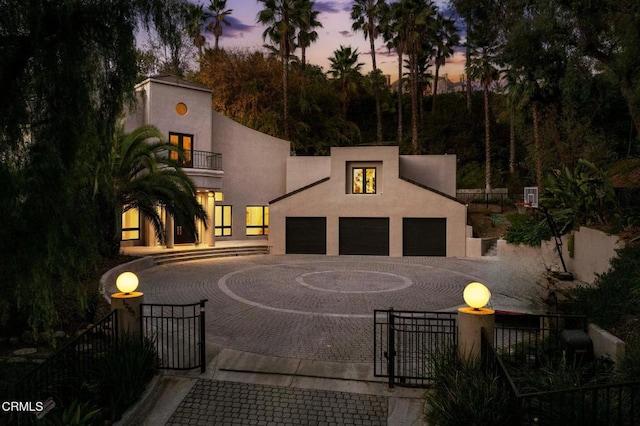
195	17
345	68
482	67
367	15
140	175
282	18
306	32
219	14
446	38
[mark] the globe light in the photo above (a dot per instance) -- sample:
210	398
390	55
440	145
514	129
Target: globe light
476	295
127	282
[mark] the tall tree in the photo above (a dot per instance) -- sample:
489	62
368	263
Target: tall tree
66	70
283	18
345	68
367	15
393	33
195	18
219	14
306	32
446	38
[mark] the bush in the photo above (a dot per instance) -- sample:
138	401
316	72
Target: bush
527	229
466	394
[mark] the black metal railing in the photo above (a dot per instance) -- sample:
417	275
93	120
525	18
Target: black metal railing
477	200
601	404
200	160
65	372
407	343
178	332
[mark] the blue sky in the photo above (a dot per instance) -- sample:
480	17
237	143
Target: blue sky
245	32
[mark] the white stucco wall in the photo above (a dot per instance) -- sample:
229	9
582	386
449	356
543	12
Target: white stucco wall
302	171
254	165
394	199
435	171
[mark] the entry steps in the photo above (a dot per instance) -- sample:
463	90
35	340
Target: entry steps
492	250
208	253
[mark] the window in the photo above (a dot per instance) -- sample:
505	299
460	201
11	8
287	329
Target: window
185	142
131	225
364	180
257	220
181	108
222	221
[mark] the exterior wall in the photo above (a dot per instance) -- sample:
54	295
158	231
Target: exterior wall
254	167
394	199
435	171
302	171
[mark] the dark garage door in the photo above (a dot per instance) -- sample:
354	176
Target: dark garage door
306	235
424	236
364	235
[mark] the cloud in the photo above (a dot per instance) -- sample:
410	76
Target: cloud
345	33
329	6
237	28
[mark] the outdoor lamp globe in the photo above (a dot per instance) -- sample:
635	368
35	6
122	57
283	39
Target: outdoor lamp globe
476	295
127	282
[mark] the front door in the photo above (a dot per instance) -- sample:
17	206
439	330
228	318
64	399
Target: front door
181	234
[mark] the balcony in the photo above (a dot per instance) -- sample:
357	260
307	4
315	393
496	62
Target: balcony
201	160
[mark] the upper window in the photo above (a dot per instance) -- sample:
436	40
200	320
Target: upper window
185	142
181	108
364	180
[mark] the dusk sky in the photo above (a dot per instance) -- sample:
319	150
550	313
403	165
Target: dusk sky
245	32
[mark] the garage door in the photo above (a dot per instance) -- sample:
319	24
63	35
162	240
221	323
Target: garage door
364	235
424	236
306	235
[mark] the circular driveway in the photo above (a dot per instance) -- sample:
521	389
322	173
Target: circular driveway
319	307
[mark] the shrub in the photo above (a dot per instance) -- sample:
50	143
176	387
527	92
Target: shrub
466	394
526	229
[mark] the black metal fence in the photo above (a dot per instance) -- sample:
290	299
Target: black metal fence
602	404
406	343
67	370
480	200
178	332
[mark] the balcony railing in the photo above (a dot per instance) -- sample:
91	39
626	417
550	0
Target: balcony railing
201	160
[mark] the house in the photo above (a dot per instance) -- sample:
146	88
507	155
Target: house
369	200
358	200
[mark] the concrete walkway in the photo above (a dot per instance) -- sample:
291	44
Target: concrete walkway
290	338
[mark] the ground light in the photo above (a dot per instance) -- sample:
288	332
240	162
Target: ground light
472	319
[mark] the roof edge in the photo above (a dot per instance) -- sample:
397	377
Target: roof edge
171	80
428	188
304	188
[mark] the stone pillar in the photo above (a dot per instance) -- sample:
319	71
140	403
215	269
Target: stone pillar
470	324
168	230
128	307
211	211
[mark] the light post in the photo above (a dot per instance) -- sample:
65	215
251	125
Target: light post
127	303
472	319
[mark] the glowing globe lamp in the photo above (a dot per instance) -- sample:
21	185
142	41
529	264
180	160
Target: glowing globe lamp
127	282
476	295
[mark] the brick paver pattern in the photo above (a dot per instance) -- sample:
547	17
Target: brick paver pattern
213	402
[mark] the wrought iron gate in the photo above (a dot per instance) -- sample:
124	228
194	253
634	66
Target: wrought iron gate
406	342
178	333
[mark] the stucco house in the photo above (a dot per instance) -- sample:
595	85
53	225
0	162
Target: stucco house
358	200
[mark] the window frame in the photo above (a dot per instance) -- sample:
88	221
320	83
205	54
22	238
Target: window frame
364	170
187	161
222	228
264	227
130	229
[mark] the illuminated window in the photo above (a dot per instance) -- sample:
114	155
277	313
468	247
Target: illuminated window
257	220
223	221
131	225
186	143
364	180
181	108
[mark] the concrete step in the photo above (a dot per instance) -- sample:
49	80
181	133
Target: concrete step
213	252
492	250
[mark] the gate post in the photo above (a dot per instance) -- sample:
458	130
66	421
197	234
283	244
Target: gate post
203	349
391	348
472	319
127	304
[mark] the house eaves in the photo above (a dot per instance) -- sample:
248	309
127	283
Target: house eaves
171	80
304	188
432	190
